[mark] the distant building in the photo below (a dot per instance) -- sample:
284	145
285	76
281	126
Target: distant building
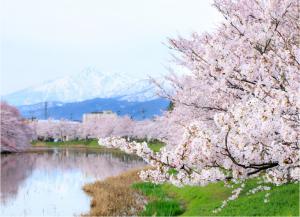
93	116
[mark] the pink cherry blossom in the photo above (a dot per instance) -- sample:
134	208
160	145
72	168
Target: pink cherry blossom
237	114
15	131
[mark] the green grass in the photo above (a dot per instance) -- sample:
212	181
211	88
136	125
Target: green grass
284	201
93	143
89	143
155	145
159	204
201	201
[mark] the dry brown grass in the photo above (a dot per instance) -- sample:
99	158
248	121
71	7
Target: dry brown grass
115	197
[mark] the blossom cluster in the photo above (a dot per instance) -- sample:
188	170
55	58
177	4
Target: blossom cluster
235	194
259	188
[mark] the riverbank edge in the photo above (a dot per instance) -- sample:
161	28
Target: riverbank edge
127	195
91	144
168	200
115	195
45	147
87	145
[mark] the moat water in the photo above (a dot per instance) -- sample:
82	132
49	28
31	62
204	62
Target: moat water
49	182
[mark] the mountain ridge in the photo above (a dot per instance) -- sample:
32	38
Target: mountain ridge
75	110
88	84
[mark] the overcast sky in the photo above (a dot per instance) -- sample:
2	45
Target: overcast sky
45	39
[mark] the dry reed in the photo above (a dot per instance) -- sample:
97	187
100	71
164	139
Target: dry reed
115	197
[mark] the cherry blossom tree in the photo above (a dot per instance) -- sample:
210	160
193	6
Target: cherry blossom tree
62	130
239	107
107	124
15	132
123	126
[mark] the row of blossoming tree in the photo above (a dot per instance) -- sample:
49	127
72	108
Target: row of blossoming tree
103	126
237	115
16	134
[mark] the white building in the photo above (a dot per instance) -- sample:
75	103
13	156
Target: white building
94	116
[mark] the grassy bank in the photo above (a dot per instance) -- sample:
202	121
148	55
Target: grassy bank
86	144
201	201
89	144
167	200
93	143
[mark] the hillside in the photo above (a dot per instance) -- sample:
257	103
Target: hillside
75	110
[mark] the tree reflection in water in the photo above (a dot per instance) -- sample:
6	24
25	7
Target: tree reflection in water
15	168
49	182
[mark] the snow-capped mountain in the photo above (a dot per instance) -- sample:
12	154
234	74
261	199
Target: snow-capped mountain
88	84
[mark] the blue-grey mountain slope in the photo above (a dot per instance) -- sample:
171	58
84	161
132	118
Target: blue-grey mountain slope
75	110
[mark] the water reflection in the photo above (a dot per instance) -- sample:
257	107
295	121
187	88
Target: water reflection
49	183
